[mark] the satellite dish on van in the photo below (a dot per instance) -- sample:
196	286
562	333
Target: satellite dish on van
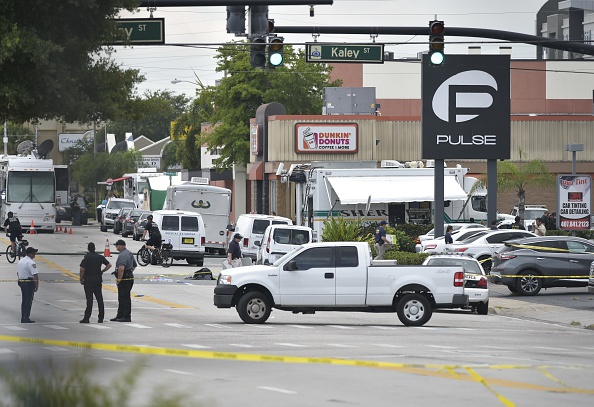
45	148
25	147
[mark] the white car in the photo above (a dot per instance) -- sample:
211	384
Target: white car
483	246
476	284
438	245
457	226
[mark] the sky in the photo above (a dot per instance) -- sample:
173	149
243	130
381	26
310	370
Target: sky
205	27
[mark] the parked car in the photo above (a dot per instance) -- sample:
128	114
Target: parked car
526	266
139	226
64	212
130	220
476	284
483	246
111	210
591	279
118	222
438	245
457	226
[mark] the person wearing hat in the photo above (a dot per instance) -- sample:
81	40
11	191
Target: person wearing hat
380	240
152	230
234	251
29	283
125	265
90	278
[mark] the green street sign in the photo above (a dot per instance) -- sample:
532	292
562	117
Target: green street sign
336	53
141	31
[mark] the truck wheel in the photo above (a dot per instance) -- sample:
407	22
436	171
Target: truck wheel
482	308
414	310
528	283
254	307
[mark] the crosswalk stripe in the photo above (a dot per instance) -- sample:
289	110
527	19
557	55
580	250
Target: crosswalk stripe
292	345
99	326
139	326
55	326
5	350
340	326
178	325
15	328
195	346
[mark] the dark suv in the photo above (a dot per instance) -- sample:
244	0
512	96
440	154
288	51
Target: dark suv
526	266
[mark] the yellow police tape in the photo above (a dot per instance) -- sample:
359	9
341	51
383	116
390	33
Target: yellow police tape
429	369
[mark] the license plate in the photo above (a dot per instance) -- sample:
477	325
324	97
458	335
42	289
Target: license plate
187	240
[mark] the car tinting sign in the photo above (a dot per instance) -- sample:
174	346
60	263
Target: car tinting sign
466	107
573	202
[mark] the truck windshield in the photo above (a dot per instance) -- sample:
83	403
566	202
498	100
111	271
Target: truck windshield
34	187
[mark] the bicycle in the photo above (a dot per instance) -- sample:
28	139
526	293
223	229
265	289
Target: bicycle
161	256
21	248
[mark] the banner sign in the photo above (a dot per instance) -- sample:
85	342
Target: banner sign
573	202
326	138
466	107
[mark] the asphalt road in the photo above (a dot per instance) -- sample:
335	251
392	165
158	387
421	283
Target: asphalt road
526	352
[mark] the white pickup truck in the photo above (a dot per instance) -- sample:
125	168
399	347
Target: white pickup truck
339	276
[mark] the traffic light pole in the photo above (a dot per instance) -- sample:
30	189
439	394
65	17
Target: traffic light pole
570	46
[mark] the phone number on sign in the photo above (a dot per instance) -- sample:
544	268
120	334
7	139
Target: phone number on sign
575	224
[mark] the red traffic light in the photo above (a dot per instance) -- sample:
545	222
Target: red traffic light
436	27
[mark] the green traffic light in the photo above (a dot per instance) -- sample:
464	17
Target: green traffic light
276	59
436	58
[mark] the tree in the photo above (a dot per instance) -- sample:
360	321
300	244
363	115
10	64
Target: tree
150	115
297	85
519	176
54	62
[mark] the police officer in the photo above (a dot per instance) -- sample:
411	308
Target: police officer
29	283
234	252
518	224
125	265
380	240
90	278
13	229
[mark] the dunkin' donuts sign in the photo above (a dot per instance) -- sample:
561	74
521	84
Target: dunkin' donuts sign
326	138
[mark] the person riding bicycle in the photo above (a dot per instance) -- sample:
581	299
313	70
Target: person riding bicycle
13	229
152	230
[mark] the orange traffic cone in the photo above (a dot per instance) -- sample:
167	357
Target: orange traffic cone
32	228
59	229
70	230
65	229
107	252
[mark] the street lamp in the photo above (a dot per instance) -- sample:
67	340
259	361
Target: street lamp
574	148
176	81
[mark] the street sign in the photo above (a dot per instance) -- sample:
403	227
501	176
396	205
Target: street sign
336	53
141	31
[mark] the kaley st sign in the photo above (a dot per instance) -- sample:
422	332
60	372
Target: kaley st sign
326	138
574	202
466	107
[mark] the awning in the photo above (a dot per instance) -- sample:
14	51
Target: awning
385	189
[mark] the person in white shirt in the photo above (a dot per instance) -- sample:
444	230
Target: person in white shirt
29	282
539	228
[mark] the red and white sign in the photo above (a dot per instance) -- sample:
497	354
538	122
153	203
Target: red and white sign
255	139
326	138
573	202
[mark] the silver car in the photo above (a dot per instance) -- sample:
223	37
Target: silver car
139	226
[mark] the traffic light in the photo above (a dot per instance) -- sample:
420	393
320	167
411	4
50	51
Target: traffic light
258	52
275	51
236	19
436	42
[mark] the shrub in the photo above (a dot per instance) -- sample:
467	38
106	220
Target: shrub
339	229
406	258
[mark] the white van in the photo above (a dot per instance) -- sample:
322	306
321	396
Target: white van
185	231
252	228
279	240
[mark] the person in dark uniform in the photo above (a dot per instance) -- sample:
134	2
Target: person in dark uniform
152	230
75	211
234	252
125	265
448	235
518	224
90	278
29	283
13	229
380	240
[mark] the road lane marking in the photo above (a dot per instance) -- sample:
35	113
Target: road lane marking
139	326
179	372
178	325
56	349
218	326
54	326
340	327
195	346
390	328
241	345
98	326
6	350
115	360
277	390
388	345
341	345
291	345
301	326
15	328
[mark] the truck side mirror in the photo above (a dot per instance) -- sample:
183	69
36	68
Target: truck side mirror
291	266
258	243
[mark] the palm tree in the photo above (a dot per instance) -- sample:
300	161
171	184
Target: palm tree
519	176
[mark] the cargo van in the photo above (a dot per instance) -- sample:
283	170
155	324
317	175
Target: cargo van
251	227
279	240
185	231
